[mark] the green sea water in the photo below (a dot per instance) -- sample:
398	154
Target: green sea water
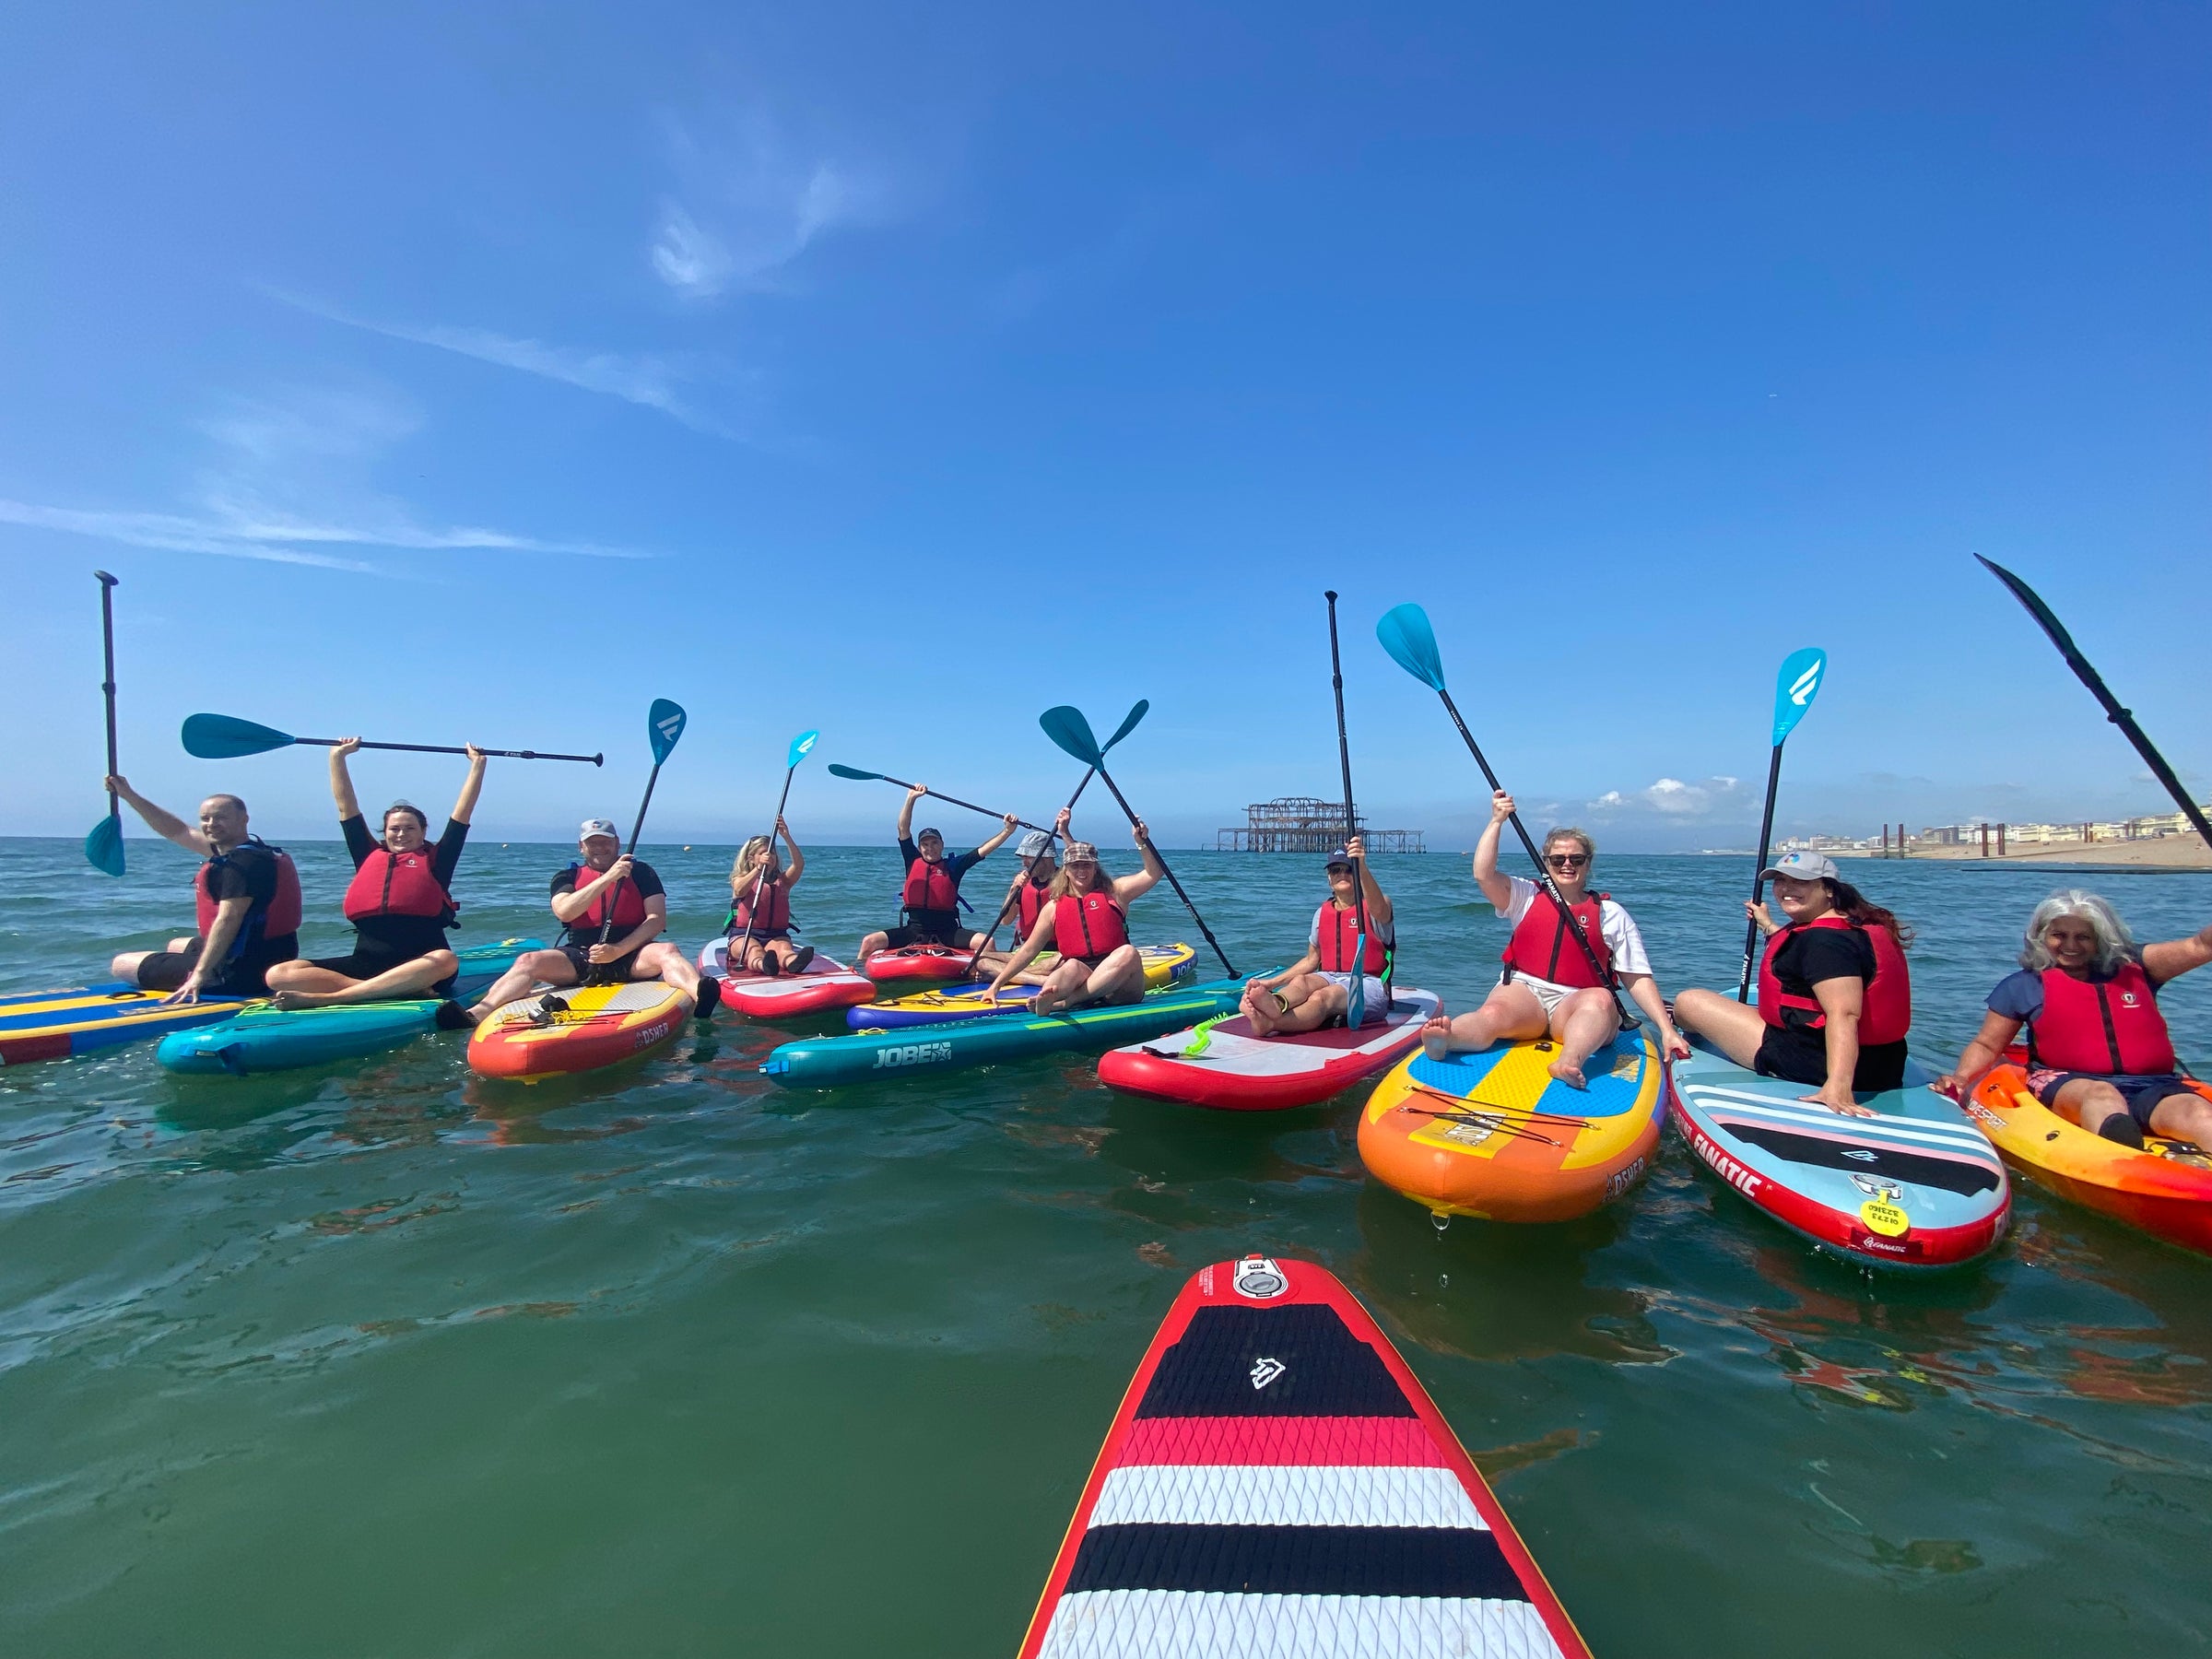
384	1358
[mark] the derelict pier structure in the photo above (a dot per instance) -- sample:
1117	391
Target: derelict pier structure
1306	824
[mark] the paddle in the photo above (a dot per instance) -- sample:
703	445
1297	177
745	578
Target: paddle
220	737
800	745
2089	677
1066	727
1137	712
1356	998
858	776
1405	634
664	725
1795	689
103	845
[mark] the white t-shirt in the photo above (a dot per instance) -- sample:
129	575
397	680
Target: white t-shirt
1616	925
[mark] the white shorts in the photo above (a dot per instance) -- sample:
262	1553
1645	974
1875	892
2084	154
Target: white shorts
1552	995
1373	990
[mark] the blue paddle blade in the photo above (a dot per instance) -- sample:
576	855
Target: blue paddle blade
800	746
1795	689
219	737
1405	634
104	846
1129	724
1066	727
665	723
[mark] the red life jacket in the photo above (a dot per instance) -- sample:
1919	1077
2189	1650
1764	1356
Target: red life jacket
773	915
1089	925
1885	1011
930	887
398	884
2112	1026
1539	947
629	904
1029	906
1336	939
270	919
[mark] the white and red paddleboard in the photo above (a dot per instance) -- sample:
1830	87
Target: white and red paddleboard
914	963
1239	1071
825	983
1276	1483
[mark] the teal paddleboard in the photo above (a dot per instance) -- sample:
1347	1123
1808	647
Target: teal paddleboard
818	1062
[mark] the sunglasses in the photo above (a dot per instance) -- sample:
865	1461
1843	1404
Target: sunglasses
1567	861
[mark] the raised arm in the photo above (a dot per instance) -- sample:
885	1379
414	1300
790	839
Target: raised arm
1127	887
2173	958
471	786
998	841
914	792
341	780
165	824
1497	886
798	858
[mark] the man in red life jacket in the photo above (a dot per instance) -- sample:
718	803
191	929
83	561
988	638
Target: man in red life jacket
400	901
931	890
248	895
1548	987
602	880
2099	1051
1027	895
1315	991
1086	919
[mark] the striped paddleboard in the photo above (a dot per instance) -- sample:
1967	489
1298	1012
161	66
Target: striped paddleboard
1278	1483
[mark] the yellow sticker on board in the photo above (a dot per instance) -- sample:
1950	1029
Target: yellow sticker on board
1887	1219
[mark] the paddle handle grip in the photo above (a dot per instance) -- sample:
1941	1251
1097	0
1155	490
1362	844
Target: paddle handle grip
107	686
448	748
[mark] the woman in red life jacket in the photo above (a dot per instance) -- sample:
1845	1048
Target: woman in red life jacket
759	923
400	901
930	892
1835	998
1027	895
1086	919
603	892
1315	991
247	897
1548	987
2097	1048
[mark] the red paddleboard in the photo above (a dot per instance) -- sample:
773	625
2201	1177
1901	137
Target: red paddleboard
825	983
913	963
1276	1483
1241	1071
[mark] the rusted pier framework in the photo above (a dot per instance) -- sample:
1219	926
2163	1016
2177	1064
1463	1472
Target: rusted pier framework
1306	824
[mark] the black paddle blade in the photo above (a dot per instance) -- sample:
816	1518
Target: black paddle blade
1066	727
855	773
219	737
1141	706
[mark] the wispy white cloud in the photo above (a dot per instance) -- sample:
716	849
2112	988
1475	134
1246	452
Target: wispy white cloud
745	206
1674	799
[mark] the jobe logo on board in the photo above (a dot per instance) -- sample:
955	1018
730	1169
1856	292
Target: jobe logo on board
912	1053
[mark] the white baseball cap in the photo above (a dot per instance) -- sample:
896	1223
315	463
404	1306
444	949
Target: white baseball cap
1805	866
598	827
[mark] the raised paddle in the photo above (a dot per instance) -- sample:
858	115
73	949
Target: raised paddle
1356	997
103	845
858	776
800	746
1066	727
1795	689
664	725
221	737
1405	634
2089	677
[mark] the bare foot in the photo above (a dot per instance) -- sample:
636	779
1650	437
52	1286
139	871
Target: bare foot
296	999
1258	1008
1436	1036
1567	1072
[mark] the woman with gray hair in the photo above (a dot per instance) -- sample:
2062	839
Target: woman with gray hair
2098	1049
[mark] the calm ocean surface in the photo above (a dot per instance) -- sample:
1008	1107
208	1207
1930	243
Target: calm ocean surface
380	1359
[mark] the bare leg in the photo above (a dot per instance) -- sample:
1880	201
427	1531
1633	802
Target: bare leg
1510	1014
1731	1027
2089	1103
1119	979
876	941
1312	1003
532	966
1061	986
2183	1117
665	962
303	986
1582	1024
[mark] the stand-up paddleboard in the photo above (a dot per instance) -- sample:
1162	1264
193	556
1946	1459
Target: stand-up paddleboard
264	1038
1492	1135
2165	1189
918	964
825	985
1239	1071
53	1024
1276	1483
819	1062
1164	965
576	1029
1914	1186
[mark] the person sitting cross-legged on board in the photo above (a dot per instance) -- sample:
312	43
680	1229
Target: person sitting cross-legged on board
1316	990
1087	921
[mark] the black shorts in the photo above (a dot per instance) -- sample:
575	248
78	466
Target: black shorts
2141	1093
914	932
1800	1055
167	970
368	964
612	973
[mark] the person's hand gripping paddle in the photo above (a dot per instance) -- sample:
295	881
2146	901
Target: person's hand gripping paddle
664	725
1066	727
104	846
1795	689
801	746
1411	643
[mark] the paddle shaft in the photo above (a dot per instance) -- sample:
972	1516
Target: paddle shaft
1356	993
956	801
1759	877
106	640
1629	1020
637	828
1014	896
2056	632
752	905
1122	801
447	749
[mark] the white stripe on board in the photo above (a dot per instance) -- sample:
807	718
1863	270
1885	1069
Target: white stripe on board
1965	1135
1182	1623
1284	1495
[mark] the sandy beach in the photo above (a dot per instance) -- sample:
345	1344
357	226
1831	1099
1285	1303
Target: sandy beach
2166	852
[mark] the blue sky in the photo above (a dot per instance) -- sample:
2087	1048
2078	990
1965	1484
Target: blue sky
453	372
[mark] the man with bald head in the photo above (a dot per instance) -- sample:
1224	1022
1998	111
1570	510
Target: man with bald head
248	903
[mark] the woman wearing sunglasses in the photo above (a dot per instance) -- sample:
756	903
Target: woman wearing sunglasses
1548	987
